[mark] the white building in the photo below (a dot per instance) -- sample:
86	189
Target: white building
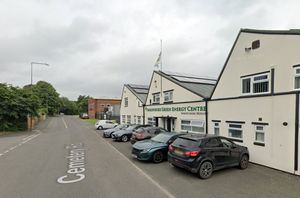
256	98
177	102
132	104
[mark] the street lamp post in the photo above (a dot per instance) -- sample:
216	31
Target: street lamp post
31	81
36	63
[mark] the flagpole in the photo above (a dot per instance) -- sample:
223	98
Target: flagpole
161	67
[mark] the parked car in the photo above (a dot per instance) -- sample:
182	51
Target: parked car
108	132
154	149
145	133
125	135
203	154
84	116
105	124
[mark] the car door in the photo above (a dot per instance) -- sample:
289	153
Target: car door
233	151
217	152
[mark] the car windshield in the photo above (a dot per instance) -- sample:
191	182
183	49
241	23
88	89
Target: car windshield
163	138
119	126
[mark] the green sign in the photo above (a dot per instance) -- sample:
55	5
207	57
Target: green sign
176	109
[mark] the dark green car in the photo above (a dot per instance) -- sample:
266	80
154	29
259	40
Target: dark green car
154	149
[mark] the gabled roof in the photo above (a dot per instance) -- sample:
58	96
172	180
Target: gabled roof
140	91
291	31
198	85
254	31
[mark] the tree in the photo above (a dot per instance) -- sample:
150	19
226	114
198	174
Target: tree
15	105
48	96
68	107
82	103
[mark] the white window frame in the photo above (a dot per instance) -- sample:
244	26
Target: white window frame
151	121
216	126
128	119
263	131
252	82
126	101
168	96
156	98
139	120
192	123
296	75
235	128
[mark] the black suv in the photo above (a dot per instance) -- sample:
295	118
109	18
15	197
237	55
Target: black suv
203	154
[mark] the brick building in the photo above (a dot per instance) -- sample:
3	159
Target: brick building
104	108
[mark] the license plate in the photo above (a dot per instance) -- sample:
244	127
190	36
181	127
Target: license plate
178	152
133	155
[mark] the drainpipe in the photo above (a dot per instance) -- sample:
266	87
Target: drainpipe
144	114
206	116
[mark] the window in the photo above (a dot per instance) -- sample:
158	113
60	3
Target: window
217	128
259	134
134	119
297	78
246	83
226	143
192	126
128	119
151	121
255	44
126	101
261	84
139	120
235	131
123	119
256	84
212	143
168	96
156	98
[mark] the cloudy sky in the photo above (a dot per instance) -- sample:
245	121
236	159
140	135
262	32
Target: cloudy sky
94	46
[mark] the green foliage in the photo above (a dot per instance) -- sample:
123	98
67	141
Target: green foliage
48	96
82	103
68	107
15	105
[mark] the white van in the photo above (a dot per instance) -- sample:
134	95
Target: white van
105	124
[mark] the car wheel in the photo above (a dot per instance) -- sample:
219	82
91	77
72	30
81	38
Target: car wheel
205	170
244	162
100	128
124	138
158	157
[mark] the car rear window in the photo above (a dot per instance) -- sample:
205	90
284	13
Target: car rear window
184	142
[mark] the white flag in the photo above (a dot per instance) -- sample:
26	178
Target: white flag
158	61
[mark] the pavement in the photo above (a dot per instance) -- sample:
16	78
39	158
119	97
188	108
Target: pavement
66	157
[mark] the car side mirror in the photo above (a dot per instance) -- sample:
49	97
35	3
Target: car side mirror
233	146
170	142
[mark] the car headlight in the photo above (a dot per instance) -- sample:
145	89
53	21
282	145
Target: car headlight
146	150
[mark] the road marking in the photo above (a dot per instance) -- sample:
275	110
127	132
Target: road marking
27	139
141	171
62	118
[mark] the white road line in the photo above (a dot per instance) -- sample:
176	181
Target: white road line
141	171
62	118
27	139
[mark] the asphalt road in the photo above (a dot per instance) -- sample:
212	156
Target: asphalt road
31	164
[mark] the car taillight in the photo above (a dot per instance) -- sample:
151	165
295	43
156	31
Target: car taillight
171	148
191	153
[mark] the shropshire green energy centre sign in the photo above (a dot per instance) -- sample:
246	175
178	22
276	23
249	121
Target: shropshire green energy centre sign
176	109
